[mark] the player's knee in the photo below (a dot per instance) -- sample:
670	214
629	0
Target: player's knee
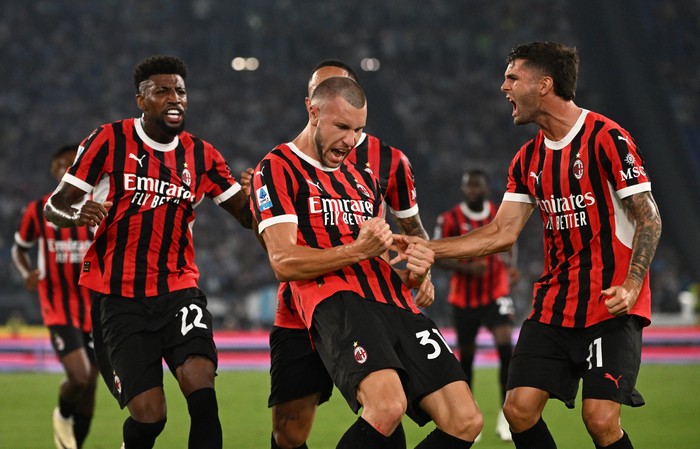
519	417
386	414
464	422
290	438
600	424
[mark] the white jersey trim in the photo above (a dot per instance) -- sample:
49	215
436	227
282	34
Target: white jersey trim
231	191
23	243
77	182
476	215
563	143
631	190
404	213
519	198
288	218
163	147
308	159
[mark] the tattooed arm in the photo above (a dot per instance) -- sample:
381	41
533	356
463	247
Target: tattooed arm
413	226
643	209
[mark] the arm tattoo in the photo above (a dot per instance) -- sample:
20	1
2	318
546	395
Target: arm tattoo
643	209
412	226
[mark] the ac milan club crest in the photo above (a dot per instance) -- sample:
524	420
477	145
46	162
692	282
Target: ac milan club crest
578	169
362	189
117	383
186	175
360	354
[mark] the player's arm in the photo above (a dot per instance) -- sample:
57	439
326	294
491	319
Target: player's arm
291	262
23	265
60	211
426	291
642	208
498	236
238	206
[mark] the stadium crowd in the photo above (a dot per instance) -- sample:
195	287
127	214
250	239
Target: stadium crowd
436	96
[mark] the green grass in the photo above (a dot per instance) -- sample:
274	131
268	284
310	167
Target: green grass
669	420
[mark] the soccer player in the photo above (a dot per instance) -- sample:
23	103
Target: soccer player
65	306
320	220
601	226
147	175
479	288
299	381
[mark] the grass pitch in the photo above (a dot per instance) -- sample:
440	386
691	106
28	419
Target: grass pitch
669	420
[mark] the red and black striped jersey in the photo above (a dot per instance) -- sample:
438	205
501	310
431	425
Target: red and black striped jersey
578	183
144	246
472	290
391	166
393	169
328	206
59	260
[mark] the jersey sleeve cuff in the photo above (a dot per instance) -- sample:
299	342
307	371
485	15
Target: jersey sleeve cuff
631	190
77	182
407	213
519	198
21	242
231	191
275	220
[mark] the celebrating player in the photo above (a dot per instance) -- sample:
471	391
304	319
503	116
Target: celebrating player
320	221
601	226
147	175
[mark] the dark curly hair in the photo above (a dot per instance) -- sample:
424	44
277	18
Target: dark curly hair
554	59
158	65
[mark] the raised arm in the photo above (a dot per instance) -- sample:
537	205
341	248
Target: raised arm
643	209
60	211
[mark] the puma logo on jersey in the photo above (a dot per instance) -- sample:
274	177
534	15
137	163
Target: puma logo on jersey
623	138
315	184
609	376
137	159
537	177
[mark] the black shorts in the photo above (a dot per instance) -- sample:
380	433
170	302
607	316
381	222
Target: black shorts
66	339
468	320
606	356
356	337
296	370
134	335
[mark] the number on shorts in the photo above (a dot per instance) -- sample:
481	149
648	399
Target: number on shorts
598	346
426	340
196	322
505	305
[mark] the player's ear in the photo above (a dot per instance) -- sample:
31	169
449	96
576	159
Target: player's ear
546	85
314	113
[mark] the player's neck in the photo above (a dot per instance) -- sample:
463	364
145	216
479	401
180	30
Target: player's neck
305	143
558	120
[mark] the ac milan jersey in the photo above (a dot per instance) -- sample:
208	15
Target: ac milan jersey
144	246
328	206
578	183
393	170
391	166
472	290
59	260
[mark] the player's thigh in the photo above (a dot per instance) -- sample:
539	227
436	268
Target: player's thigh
363	344
451	405
296	369
611	358
541	360
187	336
